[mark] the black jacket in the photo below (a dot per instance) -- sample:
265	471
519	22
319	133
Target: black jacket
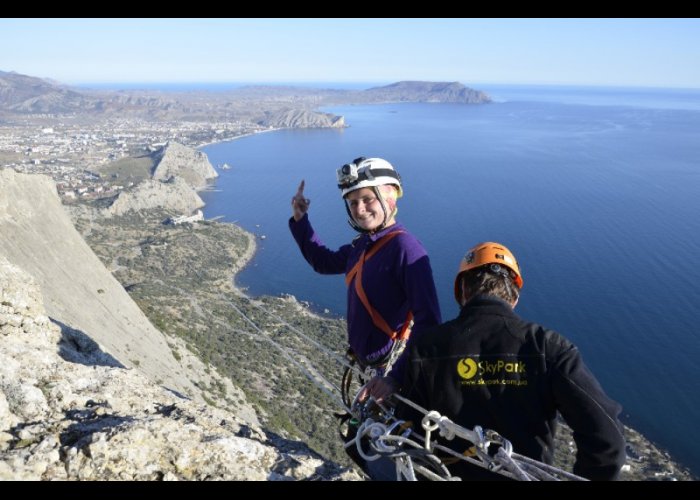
488	367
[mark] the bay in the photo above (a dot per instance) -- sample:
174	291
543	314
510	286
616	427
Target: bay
594	190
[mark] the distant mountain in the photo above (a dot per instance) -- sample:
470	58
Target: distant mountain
24	94
28	94
275	106
412	91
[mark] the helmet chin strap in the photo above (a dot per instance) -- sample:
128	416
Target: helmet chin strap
381	226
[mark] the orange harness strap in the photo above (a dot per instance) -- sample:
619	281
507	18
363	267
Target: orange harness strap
356	272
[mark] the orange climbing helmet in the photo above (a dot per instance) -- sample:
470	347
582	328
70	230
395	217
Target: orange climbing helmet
485	254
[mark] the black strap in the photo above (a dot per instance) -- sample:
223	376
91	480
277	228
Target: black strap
374	173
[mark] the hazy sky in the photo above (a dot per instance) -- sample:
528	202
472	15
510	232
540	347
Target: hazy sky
635	52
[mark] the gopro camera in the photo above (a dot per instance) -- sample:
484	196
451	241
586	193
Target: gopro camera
347	174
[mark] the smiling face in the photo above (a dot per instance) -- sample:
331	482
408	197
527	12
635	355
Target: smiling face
366	209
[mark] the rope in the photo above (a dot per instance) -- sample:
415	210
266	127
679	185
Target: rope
284	352
350	368
504	462
409	455
311	340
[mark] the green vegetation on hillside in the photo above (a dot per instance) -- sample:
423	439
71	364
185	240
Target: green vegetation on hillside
181	277
131	169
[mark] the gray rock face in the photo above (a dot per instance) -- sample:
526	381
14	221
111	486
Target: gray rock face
176	160
64	417
178	173
79	293
295	118
175	195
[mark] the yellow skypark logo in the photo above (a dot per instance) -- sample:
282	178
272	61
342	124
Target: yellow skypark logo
466	368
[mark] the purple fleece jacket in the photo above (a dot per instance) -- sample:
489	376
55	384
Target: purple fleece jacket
396	279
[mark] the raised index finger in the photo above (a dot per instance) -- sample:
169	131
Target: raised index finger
300	190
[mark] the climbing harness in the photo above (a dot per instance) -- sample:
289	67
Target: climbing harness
365	372
356	274
382	365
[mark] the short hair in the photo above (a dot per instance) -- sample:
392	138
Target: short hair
485	280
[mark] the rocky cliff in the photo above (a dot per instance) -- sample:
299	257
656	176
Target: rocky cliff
177	173
176	195
294	118
176	160
68	410
79	293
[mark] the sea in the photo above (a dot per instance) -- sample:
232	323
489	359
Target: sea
595	190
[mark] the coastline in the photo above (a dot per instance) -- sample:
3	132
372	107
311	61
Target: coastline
252	246
247	134
645	456
243	260
250	279
249	252
308	307
198	302
646	461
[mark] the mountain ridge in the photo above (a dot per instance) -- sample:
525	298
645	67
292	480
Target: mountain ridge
23	94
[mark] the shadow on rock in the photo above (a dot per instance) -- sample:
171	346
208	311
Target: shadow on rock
76	347
295	455
87	422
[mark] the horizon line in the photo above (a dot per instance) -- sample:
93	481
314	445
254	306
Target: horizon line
151	83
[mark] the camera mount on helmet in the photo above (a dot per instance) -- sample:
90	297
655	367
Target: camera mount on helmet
348	173
368	173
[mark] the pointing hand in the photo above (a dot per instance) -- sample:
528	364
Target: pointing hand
300	205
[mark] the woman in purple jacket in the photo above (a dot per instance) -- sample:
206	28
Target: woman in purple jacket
391	294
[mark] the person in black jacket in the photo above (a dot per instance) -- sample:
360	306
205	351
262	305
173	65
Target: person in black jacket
488	367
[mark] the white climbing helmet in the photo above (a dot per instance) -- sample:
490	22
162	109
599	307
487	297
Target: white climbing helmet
367	172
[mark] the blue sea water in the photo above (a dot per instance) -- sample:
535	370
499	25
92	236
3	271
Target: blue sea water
594	190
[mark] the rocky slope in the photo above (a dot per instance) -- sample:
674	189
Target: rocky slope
79	293
294	118
178	172
69	407
175	195
69	411
176	160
